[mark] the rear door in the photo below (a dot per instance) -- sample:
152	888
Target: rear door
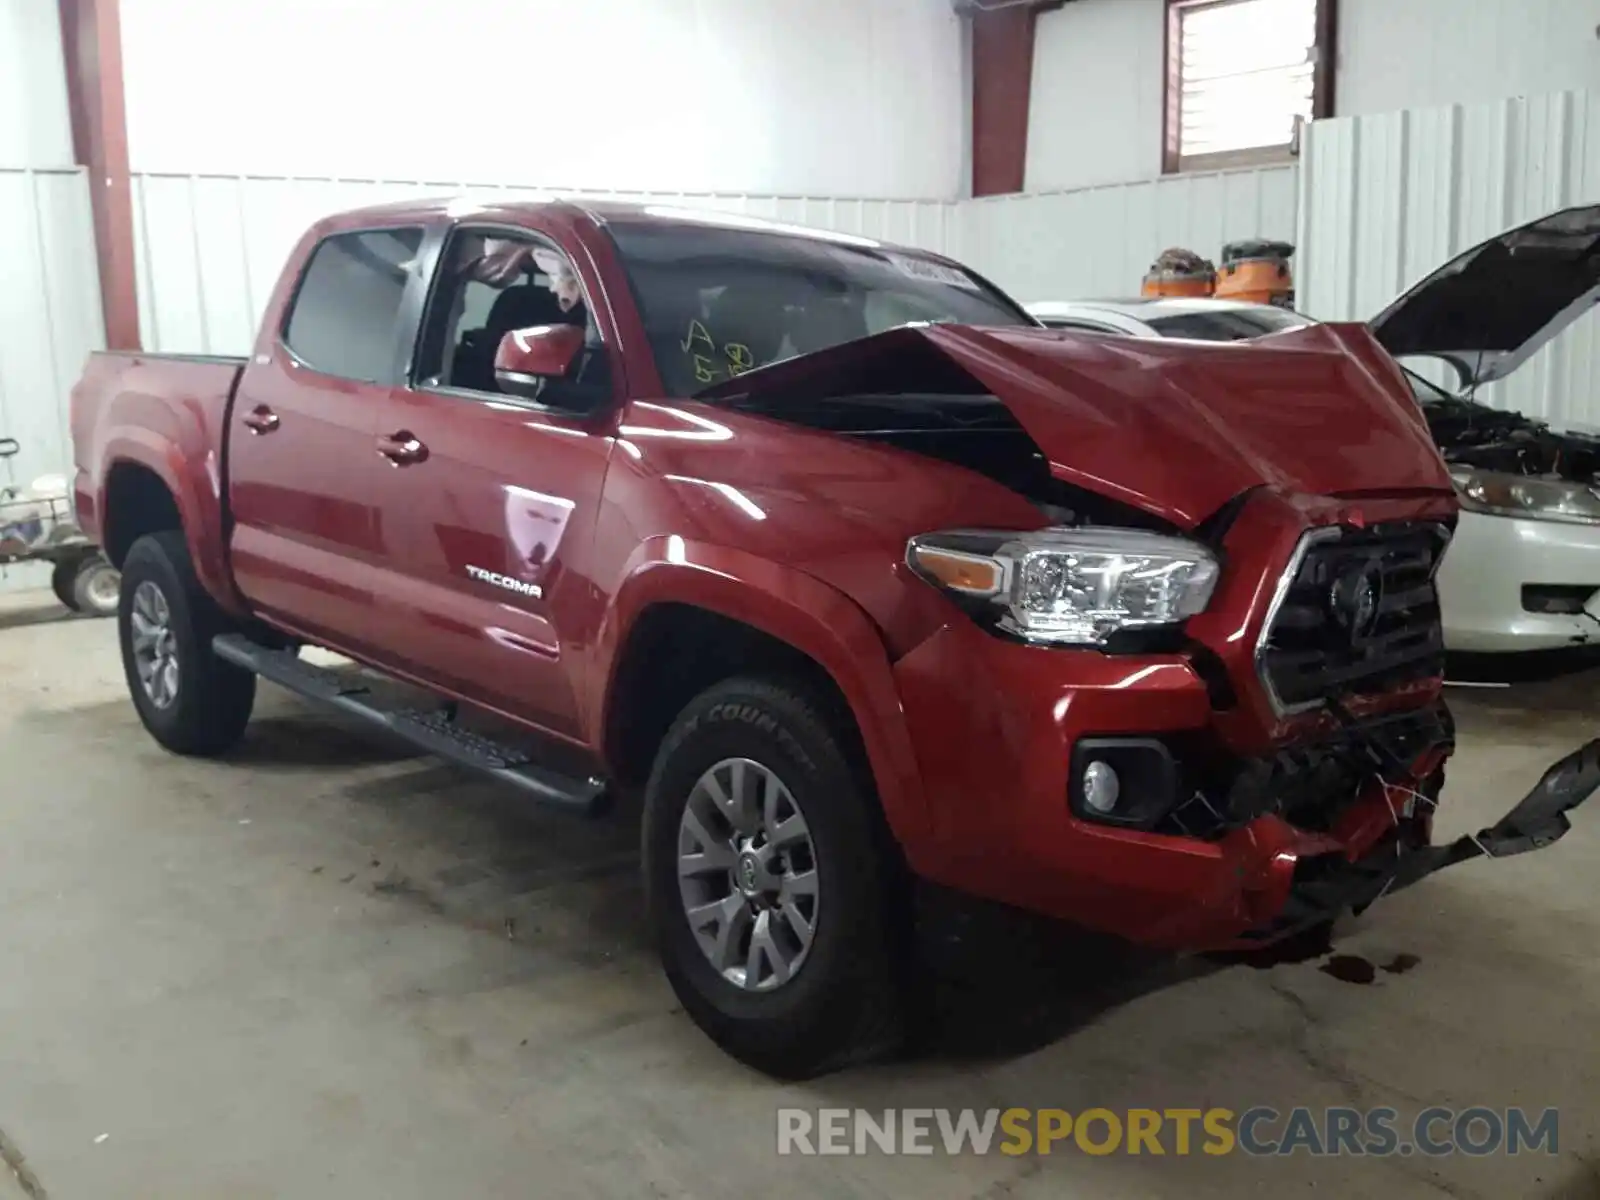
303	466
488	500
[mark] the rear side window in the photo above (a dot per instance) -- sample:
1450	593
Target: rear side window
344	314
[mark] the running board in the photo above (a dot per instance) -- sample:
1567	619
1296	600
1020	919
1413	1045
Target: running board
432	732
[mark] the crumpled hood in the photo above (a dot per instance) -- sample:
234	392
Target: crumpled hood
1175	428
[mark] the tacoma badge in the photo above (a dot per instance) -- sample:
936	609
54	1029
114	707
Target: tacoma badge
505	581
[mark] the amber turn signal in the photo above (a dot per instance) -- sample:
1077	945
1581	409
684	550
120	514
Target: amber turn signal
972	574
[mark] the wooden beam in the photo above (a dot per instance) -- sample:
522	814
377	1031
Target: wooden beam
1002	78
91	42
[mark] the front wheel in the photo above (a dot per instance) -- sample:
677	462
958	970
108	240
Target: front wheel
191	701
769	887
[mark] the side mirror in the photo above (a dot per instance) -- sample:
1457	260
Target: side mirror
527	358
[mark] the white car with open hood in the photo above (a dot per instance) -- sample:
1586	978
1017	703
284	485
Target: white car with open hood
1523	571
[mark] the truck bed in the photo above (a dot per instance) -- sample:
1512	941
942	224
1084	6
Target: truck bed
125	397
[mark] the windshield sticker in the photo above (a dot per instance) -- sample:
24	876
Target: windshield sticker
933	272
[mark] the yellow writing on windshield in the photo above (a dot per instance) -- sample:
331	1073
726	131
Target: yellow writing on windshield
740	359
698	336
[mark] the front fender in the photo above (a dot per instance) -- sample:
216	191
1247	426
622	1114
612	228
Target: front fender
798	609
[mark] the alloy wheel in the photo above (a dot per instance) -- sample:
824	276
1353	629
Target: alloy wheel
155	649
747	874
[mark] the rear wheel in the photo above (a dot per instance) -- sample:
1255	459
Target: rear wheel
191	701
770	894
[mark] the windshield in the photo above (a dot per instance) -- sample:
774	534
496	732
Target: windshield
719	302
1226	324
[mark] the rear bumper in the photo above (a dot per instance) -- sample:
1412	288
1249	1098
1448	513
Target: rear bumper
1489	562
85	506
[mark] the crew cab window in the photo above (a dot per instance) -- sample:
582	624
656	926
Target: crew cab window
345	310
490	283
718	302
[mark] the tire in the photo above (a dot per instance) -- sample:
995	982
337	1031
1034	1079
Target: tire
206	711
841	1002
61	579
95	587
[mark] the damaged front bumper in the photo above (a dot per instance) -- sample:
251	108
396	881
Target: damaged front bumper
1324	886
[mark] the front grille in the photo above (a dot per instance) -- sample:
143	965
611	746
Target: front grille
1324	641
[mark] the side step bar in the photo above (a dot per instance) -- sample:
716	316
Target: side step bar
434	733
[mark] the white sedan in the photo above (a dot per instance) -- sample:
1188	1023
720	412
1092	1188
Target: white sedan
1523	571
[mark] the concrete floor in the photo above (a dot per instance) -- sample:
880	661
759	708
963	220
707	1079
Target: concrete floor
326	969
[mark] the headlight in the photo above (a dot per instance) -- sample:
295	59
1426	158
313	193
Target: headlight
1069	586
1527	496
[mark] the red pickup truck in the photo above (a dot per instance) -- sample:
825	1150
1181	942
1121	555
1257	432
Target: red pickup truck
828	549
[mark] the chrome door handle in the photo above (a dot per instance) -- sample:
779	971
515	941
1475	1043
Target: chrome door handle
402	449
261	419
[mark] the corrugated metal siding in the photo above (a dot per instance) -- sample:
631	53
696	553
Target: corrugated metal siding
832	97
49	318
34	128
1409	54
1100	241
1386	199
210	248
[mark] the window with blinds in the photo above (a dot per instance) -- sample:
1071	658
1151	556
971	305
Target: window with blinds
1241	76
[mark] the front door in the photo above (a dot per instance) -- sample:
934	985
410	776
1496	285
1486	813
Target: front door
488	509
302	463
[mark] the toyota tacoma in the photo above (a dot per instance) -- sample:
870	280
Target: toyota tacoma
831	553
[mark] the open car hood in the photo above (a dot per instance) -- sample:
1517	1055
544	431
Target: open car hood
1489	310
1174	428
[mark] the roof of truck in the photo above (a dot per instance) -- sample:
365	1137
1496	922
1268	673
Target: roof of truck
601	210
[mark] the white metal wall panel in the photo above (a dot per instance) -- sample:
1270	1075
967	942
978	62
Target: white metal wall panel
210	248
1100	241
1385	199
1096	94
49	318
842	97
1407	54
34	127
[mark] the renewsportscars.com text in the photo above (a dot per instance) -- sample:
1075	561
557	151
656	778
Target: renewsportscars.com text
1262	1130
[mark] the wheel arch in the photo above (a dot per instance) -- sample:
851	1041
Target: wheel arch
145	493
687	616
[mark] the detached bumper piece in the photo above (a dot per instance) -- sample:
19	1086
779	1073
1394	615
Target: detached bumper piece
1326	885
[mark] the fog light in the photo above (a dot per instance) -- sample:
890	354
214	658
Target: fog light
1101	787
1128	781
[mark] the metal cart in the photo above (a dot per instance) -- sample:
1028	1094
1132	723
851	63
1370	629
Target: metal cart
41	528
